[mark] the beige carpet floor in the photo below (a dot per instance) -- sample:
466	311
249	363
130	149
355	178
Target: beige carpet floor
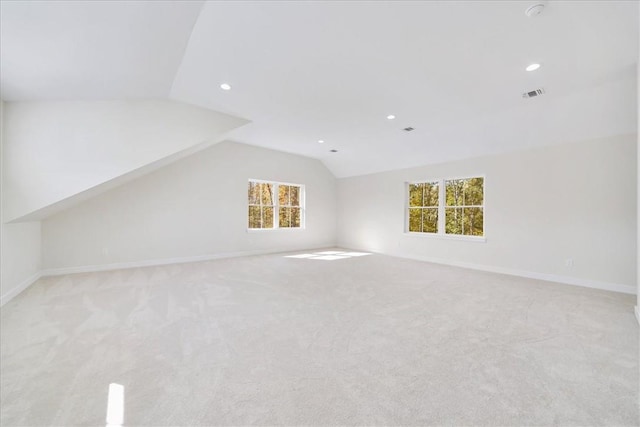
275	340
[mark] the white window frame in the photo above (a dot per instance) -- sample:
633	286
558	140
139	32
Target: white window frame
442	210
276	206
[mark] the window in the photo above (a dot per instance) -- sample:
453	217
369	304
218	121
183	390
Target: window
423	207
464	206
261	204
446	207
275	205
289	213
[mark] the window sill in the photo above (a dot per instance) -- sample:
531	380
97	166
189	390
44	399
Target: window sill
267	230
477	239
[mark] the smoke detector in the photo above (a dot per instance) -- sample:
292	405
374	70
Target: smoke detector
535	9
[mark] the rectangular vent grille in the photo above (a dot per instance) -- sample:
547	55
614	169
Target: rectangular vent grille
533	93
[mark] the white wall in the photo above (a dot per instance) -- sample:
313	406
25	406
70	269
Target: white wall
55	150
194	207
20	254
21	258
543	206
638	149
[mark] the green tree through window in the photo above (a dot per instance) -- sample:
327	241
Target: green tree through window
464	206
261	205
452	206
423	207
275	205
289	212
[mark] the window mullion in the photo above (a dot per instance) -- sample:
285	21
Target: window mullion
441	206
261	206
276	205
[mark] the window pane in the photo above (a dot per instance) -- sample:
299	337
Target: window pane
430	194
271	201
415	194
455	192
430	220
472	222
254	193
465	192
295	215
295	195
453	220
254	217
284	217
415	219
267	217
266	193
473	191
284	195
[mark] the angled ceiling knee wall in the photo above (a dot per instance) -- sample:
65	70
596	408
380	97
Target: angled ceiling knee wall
59	153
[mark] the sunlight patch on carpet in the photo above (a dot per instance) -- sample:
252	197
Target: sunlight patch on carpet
115	405
328	255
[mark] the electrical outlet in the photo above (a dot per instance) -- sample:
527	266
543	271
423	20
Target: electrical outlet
568	262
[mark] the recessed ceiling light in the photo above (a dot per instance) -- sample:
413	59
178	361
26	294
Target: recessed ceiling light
391	117
532	67
225	86
320	141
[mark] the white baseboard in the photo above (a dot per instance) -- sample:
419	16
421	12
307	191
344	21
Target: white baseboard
637	311
21	287
165	261
567	280
615	287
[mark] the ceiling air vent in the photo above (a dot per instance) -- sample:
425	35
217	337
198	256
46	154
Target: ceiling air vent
408	129
533	93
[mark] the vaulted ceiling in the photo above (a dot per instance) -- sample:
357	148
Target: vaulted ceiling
333	71
71	50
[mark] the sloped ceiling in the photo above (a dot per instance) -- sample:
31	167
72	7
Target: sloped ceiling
58	153
88	85
89	50
453	70
333	71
